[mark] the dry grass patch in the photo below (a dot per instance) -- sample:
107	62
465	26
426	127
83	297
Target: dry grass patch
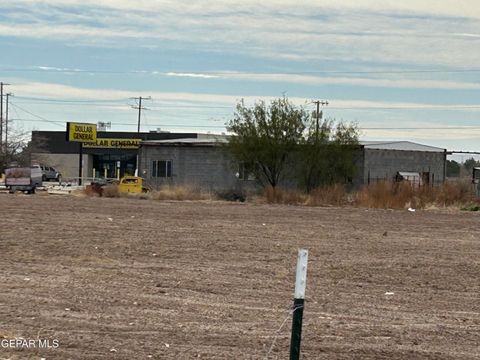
385	195
281	196
95	190
455	193
329	195
110	191
394	195
180	192
382	195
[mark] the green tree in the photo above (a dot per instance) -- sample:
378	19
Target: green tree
470	164
271	138
453	168
265	136
328	154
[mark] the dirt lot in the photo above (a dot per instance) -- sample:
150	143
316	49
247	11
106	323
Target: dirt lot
141	279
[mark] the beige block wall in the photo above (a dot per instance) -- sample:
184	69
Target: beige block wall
67	164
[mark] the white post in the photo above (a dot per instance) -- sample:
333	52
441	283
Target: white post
301	277
83	173
298	304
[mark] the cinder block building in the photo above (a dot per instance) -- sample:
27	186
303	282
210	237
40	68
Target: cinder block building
384	160
199	162
204	162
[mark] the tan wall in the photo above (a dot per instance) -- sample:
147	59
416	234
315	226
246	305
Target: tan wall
66	164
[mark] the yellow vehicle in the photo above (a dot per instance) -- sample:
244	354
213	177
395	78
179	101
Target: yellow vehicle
132	184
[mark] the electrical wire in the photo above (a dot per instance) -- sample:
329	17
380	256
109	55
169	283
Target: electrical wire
160	107
37	116
222	127
61	123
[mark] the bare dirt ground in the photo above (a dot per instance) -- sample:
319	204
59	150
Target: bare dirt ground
140	279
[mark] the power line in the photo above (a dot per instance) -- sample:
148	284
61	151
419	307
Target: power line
161	107
37	116
222	127
107	102
70	100
41	119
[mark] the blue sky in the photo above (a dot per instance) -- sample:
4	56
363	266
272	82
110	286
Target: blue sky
402	70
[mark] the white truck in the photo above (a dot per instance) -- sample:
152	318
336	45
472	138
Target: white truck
23	178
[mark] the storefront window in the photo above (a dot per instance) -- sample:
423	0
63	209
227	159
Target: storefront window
110	165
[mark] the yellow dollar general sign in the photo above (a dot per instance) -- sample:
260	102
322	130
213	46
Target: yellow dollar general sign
109	143
81	132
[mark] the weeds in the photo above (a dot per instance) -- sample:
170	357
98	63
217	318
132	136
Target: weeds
180	193
281	196
330	195
402	195
384	195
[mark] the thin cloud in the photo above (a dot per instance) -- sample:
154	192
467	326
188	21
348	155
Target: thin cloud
355	81
464	8
191	75
51	68
164	110
65	92
388	32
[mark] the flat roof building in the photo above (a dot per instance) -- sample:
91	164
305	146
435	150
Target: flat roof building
203	162
114	152
200	160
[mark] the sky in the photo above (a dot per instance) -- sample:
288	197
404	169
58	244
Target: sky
401	70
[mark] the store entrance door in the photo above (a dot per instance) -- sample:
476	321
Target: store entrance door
113	166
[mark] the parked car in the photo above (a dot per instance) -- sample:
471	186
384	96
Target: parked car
49	173
23	178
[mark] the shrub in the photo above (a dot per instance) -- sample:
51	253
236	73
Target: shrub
471	208
93	190
232	195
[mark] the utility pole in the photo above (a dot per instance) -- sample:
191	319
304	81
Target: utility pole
1	113
319	115
6	123
140	108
